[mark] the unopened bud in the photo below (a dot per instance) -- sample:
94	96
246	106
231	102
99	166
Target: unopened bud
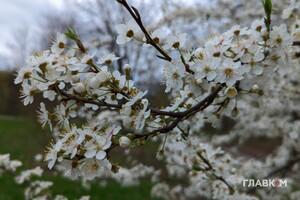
124	142
79	88
231	92
199	81
235	112
255	87
115	168
260	92
160	154
127	70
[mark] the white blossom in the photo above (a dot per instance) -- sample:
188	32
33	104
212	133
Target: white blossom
126	32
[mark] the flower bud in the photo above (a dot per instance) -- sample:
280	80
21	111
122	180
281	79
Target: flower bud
235	112
127	69
231	92
124	141
79	87
255	87
198	81
160	154
115	168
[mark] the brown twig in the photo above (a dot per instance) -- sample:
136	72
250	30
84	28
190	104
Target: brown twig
181	116
296	43
83	100
154	111
80	45
220	178
187	66
137	17
278	170
283	168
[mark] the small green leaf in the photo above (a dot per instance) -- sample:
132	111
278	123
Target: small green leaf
268	7
268	11
71	33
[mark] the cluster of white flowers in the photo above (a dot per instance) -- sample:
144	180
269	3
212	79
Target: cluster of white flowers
131	176
59	75
27	174
6	164
85	143
99	108
38	189
274	117
34	189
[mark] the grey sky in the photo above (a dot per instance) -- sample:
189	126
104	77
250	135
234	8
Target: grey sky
17	13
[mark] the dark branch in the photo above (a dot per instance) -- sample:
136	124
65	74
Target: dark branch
137	17
284	168
181	116
201	105
296	43
187	66
220	178
278	170
83	100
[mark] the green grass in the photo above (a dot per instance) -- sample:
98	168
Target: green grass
23	139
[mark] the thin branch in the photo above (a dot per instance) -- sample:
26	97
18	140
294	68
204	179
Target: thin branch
187	66
181	116
137	17
285	167
204	103
278	170
153	111
83	100
80	45
296	43
185	114
220	178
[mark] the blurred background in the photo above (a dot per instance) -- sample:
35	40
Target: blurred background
29	26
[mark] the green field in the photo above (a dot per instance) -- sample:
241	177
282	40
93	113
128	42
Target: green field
23	139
